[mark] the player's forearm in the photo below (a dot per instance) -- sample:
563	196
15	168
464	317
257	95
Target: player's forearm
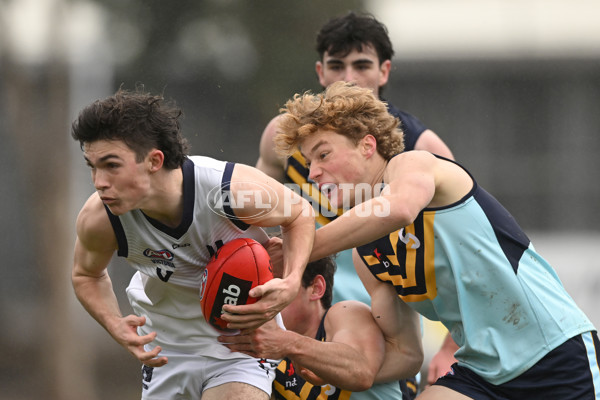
362	224
298	238
335	363
400	326
96	295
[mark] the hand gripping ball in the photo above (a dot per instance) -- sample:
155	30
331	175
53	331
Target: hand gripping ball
237	266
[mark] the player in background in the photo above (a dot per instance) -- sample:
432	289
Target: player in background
339	344
166	213
353	48
424	231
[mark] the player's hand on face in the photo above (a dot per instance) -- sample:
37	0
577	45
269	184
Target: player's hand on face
125	333
273	296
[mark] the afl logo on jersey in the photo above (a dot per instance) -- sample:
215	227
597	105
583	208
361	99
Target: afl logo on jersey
250	195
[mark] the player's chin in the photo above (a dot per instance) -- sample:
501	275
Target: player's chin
115	209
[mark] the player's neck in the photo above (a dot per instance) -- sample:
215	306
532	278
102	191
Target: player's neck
312	327
377	171
165	202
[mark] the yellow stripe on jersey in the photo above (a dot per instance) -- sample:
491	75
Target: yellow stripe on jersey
428	260
418	262
411	255
429	254
294	175
307	391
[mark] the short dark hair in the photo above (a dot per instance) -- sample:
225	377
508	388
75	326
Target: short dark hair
141	120
340	35
326	267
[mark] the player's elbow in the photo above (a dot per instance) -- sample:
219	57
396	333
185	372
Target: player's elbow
401	215
363	380
406	364
414	361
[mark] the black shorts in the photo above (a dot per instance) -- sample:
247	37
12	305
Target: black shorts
569	372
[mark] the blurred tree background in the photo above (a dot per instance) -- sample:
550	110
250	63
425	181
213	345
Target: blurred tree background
525	123
229	64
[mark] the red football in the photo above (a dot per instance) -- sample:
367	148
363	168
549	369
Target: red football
236	267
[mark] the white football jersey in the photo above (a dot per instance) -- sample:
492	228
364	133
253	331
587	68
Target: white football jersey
170	261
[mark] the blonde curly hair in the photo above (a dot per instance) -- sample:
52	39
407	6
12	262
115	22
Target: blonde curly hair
344	108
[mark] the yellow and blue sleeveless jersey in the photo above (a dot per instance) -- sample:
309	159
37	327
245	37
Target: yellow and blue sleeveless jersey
470	266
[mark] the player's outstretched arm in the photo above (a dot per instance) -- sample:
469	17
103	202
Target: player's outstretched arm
94	247
278	206
399	324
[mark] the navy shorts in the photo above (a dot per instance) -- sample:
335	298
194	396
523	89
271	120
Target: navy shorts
569	372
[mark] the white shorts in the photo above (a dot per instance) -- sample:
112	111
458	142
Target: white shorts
186	376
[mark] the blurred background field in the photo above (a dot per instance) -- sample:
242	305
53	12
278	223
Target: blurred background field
513	87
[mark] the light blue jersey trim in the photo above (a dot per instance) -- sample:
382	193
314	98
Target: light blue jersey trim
588	340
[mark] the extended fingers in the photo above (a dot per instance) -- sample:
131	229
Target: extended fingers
240	344
241	347
247	322
139	341
151	359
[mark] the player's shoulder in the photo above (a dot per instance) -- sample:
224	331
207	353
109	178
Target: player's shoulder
93	225
204	162
341	308
413	161
347	314
267	141
403	115
271	128
269	161
412	156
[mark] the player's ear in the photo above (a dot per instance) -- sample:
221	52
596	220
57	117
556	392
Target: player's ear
317	287
368	145
384	72
320	72
155	158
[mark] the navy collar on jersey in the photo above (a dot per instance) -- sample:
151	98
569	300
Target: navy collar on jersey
189	194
